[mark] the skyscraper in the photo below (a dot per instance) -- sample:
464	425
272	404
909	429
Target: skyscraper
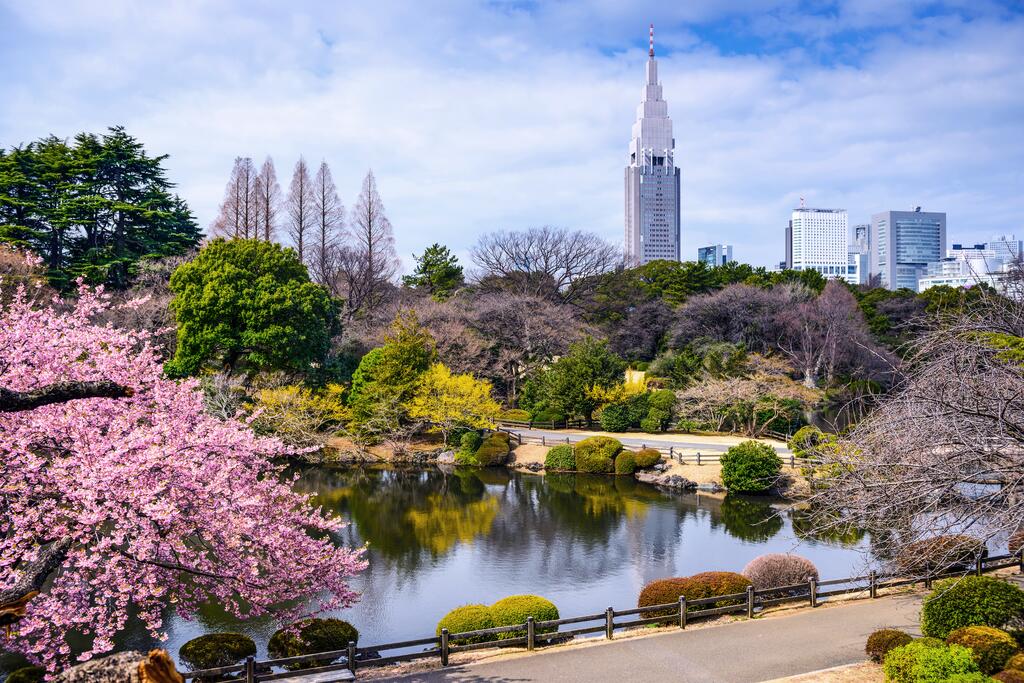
652	178
903	243
820	238
715	254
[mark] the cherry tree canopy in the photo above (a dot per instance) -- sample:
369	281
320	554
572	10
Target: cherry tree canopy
134	499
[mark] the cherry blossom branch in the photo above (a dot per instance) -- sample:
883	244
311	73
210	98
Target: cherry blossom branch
61	392
33	576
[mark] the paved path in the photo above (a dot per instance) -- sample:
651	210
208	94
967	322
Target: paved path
715	445
739	652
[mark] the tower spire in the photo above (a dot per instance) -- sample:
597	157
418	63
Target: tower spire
651	51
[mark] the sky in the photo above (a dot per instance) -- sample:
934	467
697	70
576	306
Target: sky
502	115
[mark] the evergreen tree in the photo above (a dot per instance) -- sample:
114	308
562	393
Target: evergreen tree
437	271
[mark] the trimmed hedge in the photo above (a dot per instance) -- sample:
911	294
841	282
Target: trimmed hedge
560	459
930	642
515	608
774	570
493	450
881	641
615	417
516	415
596	454
468	618
661	592
992	647
921	663
28	674
940	554
750	467
647	457
970	601
696	587
1009	676
309	636
625	463
470	441
216	649
548	416
1015	662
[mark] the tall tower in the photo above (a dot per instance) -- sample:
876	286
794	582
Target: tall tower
652	178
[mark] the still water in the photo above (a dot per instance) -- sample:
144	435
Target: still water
441	539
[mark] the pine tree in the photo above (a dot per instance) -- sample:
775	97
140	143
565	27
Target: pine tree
299	212
437	272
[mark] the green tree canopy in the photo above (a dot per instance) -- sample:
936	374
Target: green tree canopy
93	208
437	272
567	386
249	304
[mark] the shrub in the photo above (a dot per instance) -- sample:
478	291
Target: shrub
493	450
655	421
973	677
625	463
615	417
775	570
515	608
921	663
805	440
216	649
881	641
660	592
515	415
710	584
940	554
930	642
1015	662
596	454
750	467
1008	676
27	674
647	457
468	618
547	415
560	459
970	601
991	646
469	442
310	636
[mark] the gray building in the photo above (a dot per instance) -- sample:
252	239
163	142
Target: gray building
903	243
715	255
652	178
789	246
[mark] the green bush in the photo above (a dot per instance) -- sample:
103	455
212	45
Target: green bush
921	663
27	674
655	421
515	608
992	647
750	467
805	440
625	463
596	454
560	459
469	442
647	457
970	601
309	636
515	415
973	677
1015	662
468	618
940	554
493	450
930	642
546	415
1009	676
615	417
881	641
216	649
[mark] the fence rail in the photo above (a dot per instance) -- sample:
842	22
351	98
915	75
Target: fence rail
675	613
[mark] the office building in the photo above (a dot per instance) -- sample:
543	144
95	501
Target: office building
652	178
903	243
715	255
820	240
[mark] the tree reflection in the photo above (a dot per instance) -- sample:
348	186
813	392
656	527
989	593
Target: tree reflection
748	519
805	528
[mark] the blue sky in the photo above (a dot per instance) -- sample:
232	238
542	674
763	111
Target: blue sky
478	116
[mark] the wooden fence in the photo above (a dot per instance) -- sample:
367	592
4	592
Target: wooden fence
532	633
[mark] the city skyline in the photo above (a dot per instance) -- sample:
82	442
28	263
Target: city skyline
499	104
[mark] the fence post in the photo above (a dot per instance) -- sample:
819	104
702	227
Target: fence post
566	441
750	602
682	611
643	445
671	454
977	566
698	457
250	669
1020	559
873	577
609	623
531	633
792	460
813	585
352	656
444	647
542	442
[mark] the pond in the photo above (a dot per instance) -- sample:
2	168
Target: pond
439	540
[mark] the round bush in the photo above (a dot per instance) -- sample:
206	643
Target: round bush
973	677
647	457
493	450
615	417
310	636
560	459
881	641
970	601
27	674
468	618
515	608
625	463
775	570
515	415
928	641
654	422
940	554
710	584
596	454
750	467
661	592
548	416
470	441
921	663
1007	676
1015	662
216	649
992	647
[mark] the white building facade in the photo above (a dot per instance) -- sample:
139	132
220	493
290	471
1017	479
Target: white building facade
652	179
820	241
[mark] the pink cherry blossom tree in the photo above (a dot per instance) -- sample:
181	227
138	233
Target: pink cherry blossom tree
119	495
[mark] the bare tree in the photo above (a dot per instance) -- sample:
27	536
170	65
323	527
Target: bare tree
237	214
943	455
369	262
555	263
299	212
268	200
328	226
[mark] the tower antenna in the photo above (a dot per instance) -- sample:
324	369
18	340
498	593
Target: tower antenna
651	52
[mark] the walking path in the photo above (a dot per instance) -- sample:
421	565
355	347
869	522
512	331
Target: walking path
707	444
737	652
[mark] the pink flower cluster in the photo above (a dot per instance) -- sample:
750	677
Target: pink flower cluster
165	505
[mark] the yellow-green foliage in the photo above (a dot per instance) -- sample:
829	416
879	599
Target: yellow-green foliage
647	457
970	601
881	641
597	454
516	608
450	401
468	618
992	647
625	462
1015	662
493	451
299	416
919	662
560	459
